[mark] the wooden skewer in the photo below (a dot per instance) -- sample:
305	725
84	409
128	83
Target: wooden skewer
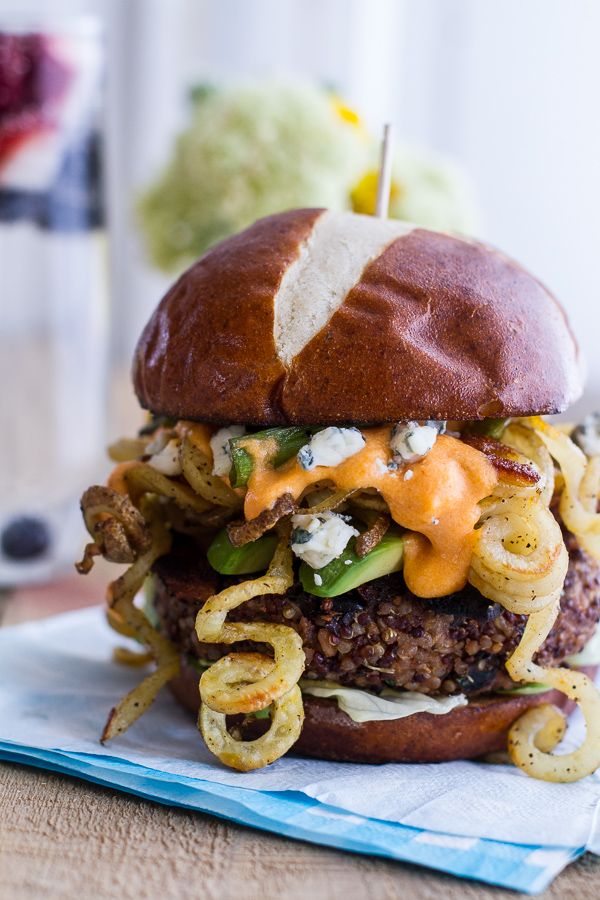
384	181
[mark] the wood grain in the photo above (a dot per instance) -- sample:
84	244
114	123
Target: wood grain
62	838
65	839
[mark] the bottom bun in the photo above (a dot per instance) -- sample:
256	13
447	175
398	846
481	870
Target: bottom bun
466	732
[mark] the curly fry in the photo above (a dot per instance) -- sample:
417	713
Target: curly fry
278	578
137	701
369	539
135	479
287	716
121	595
332	501
117	623
241	533
252	696
580	495
511	467
122	532
127	657
118	529
247	682
197	470
537	732
127	449
86	564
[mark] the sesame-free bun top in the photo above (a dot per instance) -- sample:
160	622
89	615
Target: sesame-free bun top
315	317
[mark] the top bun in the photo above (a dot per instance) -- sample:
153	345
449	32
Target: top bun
318	317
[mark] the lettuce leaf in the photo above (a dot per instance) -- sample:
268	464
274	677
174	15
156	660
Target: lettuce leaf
362	706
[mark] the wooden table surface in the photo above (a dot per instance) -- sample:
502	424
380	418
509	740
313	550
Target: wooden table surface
62	838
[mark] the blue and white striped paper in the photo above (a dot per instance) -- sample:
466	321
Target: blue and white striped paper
292	814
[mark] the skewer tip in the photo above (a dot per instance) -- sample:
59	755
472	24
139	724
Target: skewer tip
384	182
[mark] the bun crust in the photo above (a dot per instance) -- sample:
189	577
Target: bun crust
208	351
434	327
464	733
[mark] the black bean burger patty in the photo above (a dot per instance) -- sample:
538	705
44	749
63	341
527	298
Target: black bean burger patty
380	634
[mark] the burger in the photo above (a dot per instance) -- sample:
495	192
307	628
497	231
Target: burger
357	536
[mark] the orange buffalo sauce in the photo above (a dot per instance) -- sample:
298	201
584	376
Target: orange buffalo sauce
198	433
439	503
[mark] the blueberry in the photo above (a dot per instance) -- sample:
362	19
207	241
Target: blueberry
25	538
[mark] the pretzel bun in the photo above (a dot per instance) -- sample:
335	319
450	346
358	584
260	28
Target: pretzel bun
329	733
315	317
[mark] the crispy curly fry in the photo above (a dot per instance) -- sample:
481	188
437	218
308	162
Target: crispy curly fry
127	449
86	563
118	529
197	470
117	623
121	595
137	701
536	733
520	561
248	682
287	715
579	498
512	468
369	539
527	442
127	657
122	532
288	667
278	578
519	556
127	526
542	729
241	533
140	479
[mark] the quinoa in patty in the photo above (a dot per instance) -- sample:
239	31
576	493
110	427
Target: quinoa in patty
380	634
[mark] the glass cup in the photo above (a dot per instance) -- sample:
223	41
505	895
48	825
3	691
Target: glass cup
53	289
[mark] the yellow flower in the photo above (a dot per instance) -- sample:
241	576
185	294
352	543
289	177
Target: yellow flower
363	195
346	113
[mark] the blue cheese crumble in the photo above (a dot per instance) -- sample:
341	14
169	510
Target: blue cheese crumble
411	441
319	539
166	460
219	444
330	447
381	466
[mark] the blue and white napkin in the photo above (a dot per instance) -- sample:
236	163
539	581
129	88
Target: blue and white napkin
57	682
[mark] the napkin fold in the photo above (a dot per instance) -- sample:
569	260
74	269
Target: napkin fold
57	682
